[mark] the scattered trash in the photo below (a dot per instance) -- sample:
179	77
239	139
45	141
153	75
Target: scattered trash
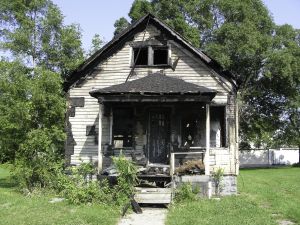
55	200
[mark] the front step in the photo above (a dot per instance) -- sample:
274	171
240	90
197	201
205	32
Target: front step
153	195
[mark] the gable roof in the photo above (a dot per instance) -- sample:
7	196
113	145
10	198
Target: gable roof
118	41
155	84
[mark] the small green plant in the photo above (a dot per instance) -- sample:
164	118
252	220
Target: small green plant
218	175
127	179
77	189
186	192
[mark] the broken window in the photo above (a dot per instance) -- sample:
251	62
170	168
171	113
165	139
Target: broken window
160	56
217	126
193	128
123	127
140	56
151	56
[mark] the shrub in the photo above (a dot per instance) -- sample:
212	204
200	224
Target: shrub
127	179
218	178
186	192
77	189
37	161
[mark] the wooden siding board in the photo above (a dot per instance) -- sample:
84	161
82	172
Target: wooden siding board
114	70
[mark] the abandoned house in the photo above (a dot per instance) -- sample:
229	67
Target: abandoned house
152	96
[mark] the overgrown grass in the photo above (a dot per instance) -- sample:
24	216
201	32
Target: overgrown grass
266	196
17	209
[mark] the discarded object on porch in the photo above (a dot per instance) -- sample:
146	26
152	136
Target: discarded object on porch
191	167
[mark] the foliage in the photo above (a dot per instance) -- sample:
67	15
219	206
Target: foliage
34	32
78	189
28	103
120	25
186	192
14	108
266	196
36	163
97	43
218	178
263	57
127	178
17	209
42	51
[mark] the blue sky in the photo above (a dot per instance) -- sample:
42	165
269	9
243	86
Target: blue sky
98	16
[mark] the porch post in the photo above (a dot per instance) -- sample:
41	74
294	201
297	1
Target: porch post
110	126
100	137
206	161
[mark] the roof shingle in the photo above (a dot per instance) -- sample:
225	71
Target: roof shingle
152	84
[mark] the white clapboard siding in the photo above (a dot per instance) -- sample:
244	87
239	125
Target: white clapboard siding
115	70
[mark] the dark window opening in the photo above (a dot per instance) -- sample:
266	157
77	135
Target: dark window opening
160	56
141	57
217	126
193	128
123	127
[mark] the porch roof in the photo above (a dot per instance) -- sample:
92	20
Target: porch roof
155	84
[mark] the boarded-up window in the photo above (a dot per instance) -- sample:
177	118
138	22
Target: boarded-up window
123	127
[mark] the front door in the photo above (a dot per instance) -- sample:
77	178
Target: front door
159	137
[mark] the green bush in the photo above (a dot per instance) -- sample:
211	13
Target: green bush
186	192
79	189
126	180
37	161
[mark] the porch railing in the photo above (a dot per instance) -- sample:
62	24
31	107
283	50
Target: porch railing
193	151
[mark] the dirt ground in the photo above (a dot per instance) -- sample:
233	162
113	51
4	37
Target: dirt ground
150	216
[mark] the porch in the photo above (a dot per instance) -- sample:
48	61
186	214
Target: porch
161	123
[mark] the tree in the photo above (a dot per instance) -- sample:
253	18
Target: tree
238	34
120	25
264	59
32	102
14	108
34	31
97	43
281	80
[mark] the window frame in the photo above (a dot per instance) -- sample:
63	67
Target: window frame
151	49
128	135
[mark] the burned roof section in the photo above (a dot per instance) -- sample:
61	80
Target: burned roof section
127	35
155	84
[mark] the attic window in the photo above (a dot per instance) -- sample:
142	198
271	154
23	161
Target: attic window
151	56
160	56
141	58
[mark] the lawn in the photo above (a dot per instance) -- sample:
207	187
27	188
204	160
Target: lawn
17	209
265	196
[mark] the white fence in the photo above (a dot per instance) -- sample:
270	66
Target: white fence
261	158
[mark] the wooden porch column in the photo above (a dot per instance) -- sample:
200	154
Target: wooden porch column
100	137
111	126
206	161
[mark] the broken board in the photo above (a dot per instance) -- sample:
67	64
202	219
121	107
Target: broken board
153	195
